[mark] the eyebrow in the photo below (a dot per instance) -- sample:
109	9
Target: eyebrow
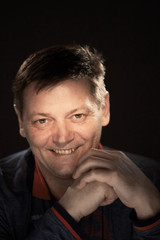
40	114
68	113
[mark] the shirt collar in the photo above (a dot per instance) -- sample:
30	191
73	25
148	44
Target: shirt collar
40	188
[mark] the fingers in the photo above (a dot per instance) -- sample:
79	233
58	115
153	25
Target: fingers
88	199
95	175
96	159
120	177
93	162
109	195
101	177
96	152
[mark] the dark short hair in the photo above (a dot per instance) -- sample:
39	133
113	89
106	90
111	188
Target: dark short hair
58	63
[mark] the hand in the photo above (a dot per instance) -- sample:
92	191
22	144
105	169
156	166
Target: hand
122	177
81	202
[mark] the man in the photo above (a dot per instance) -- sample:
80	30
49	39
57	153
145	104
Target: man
66	185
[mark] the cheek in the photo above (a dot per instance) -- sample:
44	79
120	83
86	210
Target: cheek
36	137
95	131
91	130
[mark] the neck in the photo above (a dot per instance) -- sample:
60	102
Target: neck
56	185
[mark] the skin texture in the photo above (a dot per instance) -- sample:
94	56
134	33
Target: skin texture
66	117
62	117
120	178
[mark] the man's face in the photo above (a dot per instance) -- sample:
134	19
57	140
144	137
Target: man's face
61	124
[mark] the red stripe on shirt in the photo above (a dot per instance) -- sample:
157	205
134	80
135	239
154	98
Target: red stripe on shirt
66	224
148	227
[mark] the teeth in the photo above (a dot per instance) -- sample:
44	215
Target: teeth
67	151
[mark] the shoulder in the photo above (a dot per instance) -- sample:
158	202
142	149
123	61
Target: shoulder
14	169
15	192
149	166
14	160
141	161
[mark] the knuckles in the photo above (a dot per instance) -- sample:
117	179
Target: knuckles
98	186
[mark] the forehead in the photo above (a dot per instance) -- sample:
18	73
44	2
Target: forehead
69	92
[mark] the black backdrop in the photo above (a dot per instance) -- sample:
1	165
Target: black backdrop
128	34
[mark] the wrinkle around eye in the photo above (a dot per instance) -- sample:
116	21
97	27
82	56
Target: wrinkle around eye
78	118
42	123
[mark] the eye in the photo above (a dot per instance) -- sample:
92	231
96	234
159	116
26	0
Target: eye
80	115
42	121
78	118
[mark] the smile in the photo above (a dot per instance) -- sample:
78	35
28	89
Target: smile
63	151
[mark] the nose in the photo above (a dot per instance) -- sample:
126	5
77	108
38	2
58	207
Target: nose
62	134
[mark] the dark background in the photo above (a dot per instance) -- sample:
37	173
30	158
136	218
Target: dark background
128	35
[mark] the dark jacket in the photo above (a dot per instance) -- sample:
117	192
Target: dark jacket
23	216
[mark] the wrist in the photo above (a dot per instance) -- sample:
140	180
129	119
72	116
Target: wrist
144	224
148	209
70	210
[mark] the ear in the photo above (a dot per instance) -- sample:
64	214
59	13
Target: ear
106	111
20	121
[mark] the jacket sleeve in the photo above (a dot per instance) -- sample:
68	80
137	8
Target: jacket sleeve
147	229
4	226
147	233
51	227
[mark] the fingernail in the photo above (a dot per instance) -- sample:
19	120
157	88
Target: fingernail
75	175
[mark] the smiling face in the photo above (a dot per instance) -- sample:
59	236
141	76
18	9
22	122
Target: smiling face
61	124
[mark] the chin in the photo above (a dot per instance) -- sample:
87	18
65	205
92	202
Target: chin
64	173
